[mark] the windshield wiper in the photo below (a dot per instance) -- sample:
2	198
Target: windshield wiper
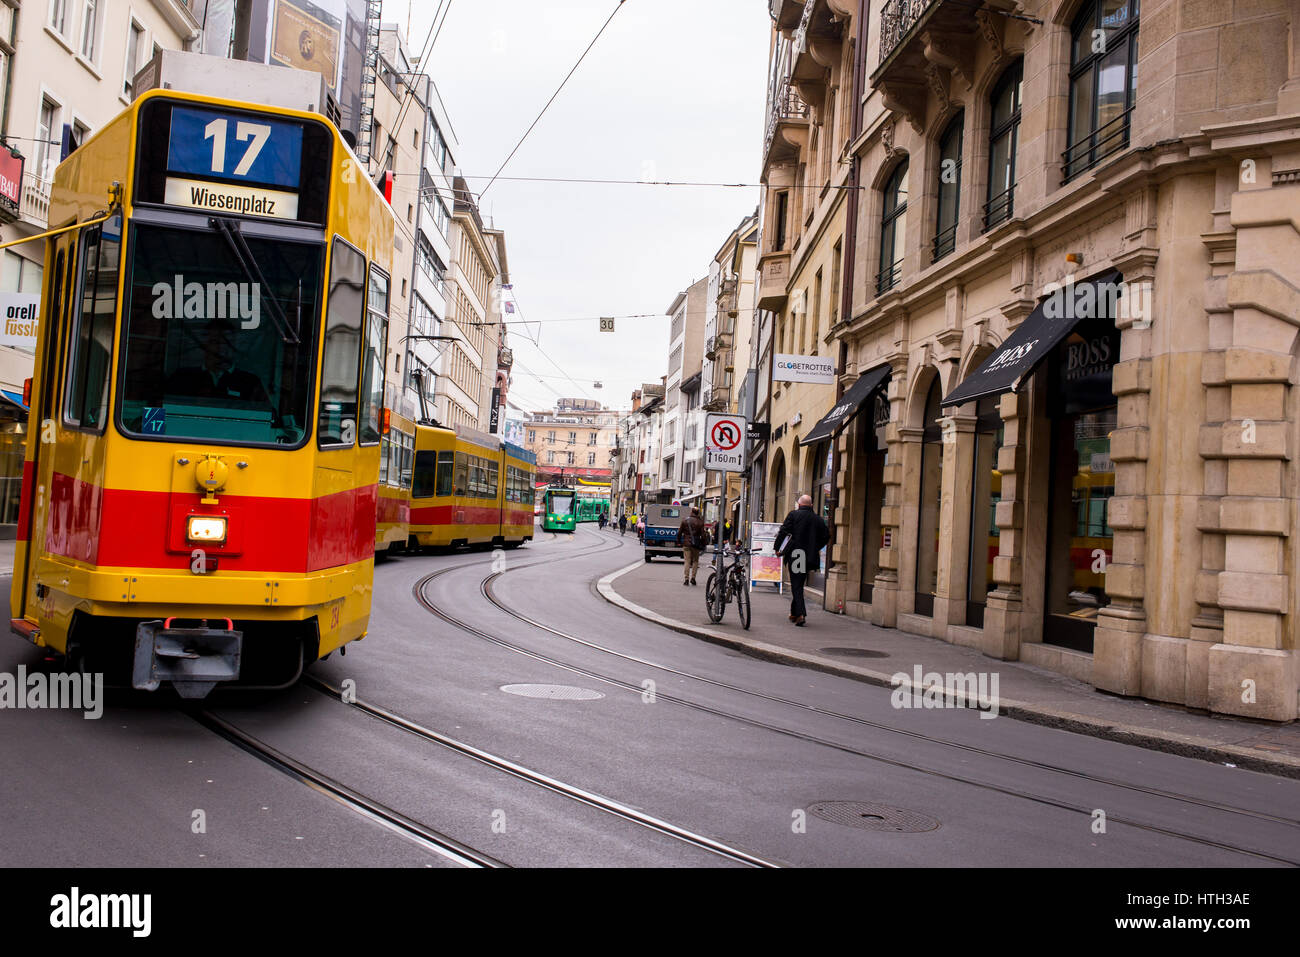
229	229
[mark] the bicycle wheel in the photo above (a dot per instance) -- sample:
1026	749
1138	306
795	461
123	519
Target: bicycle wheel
715	598
742	601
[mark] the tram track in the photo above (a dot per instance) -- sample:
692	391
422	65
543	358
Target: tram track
485	588
431	840
581	795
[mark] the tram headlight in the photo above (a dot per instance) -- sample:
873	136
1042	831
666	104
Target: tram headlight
210	529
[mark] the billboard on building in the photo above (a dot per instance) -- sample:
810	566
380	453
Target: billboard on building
19	319
817	369
308	36
11	180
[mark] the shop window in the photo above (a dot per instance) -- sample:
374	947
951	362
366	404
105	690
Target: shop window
986	492
873	454
927	543
1080	540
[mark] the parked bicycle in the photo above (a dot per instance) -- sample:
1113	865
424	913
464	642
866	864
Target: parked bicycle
733	583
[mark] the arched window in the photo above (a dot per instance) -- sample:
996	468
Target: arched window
1004	127
945	231
778	485
1103	81
893	228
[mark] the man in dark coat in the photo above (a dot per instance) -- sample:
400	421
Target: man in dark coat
693	536
799	542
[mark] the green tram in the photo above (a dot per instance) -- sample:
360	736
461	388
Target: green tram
559	509
564	506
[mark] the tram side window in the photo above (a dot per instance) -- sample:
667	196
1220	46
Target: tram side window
492	479
462	474
372	370
342	358
385	449
422	487
445	466
406	445
91	344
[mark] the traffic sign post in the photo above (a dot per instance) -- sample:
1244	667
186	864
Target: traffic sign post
724	442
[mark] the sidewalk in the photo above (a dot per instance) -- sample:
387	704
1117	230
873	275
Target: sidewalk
855	649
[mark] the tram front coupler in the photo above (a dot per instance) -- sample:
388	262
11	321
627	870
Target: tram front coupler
194	658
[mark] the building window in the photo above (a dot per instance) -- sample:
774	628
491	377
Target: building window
550	437
46	158
893	229
134	45
432	266
591	438
570	454
573	438
59	15
550	458
782	213
1103	82
1003	130
89	28
532	436
591	458
945	227
836	259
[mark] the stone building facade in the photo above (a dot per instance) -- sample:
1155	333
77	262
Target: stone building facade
1121	504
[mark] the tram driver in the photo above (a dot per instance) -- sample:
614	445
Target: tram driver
218	378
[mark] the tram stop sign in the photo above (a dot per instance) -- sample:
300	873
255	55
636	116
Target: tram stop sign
724	442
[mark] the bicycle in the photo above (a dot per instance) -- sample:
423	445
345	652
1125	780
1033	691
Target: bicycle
734	583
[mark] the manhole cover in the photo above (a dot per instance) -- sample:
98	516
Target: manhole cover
873	817
855	652
555	692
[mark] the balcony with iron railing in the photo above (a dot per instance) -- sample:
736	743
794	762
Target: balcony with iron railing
35	206
719	400
918	36
789	117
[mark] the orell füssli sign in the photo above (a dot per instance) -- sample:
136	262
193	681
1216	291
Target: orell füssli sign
19	319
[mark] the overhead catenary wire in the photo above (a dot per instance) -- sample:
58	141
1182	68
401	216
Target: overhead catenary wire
552	99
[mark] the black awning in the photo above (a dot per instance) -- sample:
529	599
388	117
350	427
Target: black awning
1033	340
847	407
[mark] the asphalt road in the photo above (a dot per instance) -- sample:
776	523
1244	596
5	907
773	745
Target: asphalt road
731	748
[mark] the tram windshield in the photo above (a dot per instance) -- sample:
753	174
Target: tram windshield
219	336
561	503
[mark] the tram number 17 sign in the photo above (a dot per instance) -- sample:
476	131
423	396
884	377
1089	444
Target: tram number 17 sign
724	442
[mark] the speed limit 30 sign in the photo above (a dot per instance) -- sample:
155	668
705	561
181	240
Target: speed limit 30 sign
724	442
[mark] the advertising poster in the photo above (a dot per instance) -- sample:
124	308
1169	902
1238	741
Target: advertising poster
764	562
20	312
306	37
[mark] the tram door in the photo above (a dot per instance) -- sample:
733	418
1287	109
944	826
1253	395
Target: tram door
42	411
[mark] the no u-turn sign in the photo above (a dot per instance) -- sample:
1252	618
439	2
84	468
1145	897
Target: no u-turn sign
724	442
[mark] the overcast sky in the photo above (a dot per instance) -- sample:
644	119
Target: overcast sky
673	90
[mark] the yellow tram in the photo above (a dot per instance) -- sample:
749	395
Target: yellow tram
470	488
199	494
396	465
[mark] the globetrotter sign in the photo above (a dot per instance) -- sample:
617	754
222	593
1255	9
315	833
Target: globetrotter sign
818	369
724	446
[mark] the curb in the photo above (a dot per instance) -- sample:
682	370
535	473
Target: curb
1187	746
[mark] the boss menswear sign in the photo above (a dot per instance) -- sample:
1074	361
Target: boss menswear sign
724	446
818	369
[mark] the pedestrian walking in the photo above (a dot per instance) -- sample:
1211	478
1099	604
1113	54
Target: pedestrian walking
693	536
602	520
622	524
799	542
